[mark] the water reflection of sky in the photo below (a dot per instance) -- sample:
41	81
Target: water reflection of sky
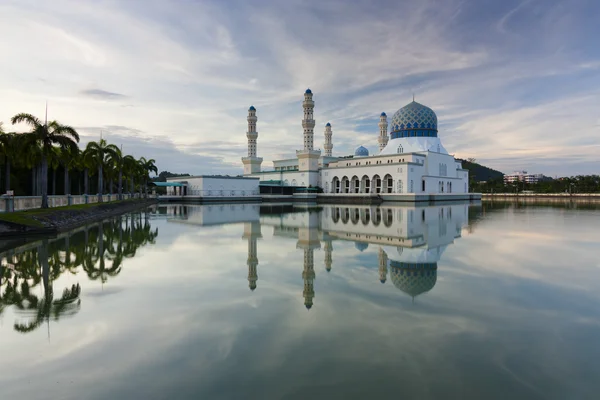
513	312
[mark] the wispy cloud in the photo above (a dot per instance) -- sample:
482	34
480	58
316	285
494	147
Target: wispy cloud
190	71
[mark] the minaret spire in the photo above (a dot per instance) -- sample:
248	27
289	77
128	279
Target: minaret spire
252	233
383	136
308	123
308	158
328	144
252	162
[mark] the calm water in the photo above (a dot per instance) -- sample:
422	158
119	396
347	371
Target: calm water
241	302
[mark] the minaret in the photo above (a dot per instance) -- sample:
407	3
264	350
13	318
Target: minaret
308	123
383	136
252	162
328	144
383	263
308	240
328	255
308	158
252	233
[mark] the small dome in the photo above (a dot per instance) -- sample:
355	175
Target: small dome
308	91
361	151
328	124
383	114
361	246
252	108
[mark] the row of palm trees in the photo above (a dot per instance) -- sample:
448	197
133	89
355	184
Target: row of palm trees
53	145
98	249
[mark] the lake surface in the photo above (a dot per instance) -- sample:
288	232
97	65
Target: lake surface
492	300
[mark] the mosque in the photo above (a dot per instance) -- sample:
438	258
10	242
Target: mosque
399	242
410	160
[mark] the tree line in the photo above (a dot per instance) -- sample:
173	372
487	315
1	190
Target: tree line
50	148
572	184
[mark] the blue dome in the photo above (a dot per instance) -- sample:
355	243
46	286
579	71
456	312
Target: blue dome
252	108
383	114
308	91
328	124
361	151
361	246
412	120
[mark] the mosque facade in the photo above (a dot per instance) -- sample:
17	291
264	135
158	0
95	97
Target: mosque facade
411	158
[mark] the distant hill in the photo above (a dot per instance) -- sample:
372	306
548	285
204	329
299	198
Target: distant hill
478	172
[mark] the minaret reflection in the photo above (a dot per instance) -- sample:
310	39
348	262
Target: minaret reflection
308	240
328	247
252	233
383	265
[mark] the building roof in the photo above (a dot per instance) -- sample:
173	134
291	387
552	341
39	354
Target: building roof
414	116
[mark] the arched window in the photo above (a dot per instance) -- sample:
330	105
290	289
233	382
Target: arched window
423	185
400	149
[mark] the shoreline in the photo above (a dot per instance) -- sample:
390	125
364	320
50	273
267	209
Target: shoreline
52	221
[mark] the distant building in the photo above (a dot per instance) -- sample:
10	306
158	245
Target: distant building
523	176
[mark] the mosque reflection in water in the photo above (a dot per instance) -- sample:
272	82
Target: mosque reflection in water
410	239
97	249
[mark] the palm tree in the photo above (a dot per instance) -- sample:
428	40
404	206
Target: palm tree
8	149
98	152
69	159
117	160
46	135
147	166
130	165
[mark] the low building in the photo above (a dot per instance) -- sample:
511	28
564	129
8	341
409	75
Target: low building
523	176
212	186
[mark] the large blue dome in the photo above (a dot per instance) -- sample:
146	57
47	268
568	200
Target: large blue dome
412	120
361	151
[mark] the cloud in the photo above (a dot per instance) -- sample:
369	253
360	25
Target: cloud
102	94
190	73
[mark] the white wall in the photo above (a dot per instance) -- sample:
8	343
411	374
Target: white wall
209	186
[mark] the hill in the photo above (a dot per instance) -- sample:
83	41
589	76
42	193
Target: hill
478	172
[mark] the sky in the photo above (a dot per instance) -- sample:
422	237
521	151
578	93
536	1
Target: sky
515	84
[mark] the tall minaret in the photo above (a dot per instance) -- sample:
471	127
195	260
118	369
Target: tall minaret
252	233
308	274
252	162
383	263
308	123
308	158
383	136
328	144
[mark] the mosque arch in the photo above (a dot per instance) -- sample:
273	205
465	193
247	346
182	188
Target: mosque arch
388	217
294	182
355	184
388	184
365	184
335	185
365	216
345	215
377	216
286	183
376	184
335	215
355	216
345	184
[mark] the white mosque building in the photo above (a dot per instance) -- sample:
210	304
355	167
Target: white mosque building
411	159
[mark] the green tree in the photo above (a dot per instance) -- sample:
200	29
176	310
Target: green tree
98	153
147	166
46	136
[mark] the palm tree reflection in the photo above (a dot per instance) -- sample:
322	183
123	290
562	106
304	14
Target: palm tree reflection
98	249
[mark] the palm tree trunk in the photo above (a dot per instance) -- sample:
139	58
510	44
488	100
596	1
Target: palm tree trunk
120	188
110	185
33	180
7	172
44	181
53	181
67	183
86	178
100	184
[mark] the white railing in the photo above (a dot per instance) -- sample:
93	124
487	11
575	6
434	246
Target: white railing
21	203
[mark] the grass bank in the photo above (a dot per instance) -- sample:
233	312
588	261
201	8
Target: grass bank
61	218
